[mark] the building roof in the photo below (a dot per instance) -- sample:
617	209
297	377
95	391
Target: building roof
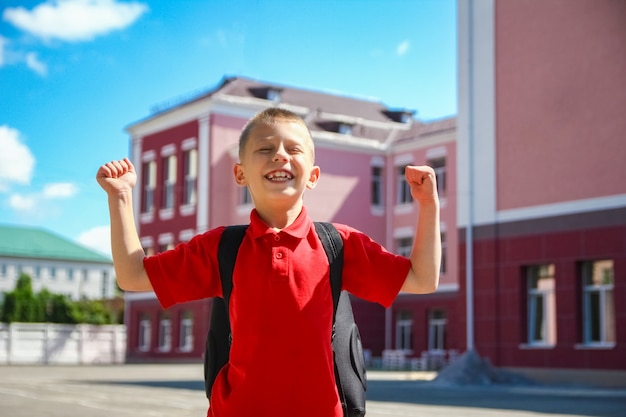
35	243
322	111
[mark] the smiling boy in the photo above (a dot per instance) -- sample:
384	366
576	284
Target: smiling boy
281	361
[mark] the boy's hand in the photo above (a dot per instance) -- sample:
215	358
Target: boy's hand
423	183
117	176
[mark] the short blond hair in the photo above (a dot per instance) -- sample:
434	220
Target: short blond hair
269	117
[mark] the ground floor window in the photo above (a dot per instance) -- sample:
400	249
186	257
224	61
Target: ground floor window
437	324
143	339
186	332
598	305
165	334
541	305
404	326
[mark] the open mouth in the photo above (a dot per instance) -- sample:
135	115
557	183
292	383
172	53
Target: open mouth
278	176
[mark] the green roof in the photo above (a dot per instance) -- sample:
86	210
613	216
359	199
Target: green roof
30	242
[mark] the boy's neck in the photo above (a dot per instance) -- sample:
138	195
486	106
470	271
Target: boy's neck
279	218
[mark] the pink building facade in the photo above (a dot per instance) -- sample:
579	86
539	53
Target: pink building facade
540	174
185	155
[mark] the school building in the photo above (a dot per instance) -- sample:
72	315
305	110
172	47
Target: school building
54	263
531	181
541	182
184	155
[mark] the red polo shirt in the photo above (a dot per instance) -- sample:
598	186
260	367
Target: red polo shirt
281	361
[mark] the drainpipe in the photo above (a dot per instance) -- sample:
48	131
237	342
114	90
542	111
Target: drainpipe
389	180
469	230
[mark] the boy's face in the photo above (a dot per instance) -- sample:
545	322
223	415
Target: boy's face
277	163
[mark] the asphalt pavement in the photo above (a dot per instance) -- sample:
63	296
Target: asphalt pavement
178	391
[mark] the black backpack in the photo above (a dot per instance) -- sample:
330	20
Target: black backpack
350	373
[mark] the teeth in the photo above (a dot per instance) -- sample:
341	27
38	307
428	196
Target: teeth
279	175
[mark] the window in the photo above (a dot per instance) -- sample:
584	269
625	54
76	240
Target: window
273	94
186	332
344	129
70	274
148	171
245	197
598	306
541	305
105	284
405	244
169	181
377	186
53	272
163	247
404	190
444	254
404	325
144	336
439	165
190	162
165	334
437	324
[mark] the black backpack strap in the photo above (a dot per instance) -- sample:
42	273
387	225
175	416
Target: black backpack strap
219	336
227	255
333	246
350	373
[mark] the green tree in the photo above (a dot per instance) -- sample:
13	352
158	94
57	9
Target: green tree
20	305
23	305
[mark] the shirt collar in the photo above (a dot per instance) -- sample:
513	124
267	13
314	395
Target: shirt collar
298	229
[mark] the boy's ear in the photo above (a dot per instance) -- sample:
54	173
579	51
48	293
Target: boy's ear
240	178
313	177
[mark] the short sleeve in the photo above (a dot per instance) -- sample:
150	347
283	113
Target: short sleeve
370	271
188	272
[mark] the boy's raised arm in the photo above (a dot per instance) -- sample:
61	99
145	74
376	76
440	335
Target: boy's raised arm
423	276
117	179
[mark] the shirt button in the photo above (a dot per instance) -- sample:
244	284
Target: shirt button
276	238
279	255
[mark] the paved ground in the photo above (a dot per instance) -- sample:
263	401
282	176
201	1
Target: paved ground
177	391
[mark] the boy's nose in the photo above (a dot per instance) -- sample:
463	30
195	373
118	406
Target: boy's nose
280	155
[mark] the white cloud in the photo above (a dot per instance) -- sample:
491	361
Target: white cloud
35	64
16	160
23	203
403	48
3	42
98	238
59	190
41	205
74	20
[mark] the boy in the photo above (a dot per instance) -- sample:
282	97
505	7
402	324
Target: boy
281	361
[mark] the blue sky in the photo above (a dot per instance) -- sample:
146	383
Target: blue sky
75	73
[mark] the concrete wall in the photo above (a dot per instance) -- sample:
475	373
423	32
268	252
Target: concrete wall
48	343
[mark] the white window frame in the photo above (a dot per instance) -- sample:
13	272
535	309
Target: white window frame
186	333
403	196
144	334
439	166
404	245
190	161
169	182
541	298
598	279
376	198
148	186
165	334
404	331
437	330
